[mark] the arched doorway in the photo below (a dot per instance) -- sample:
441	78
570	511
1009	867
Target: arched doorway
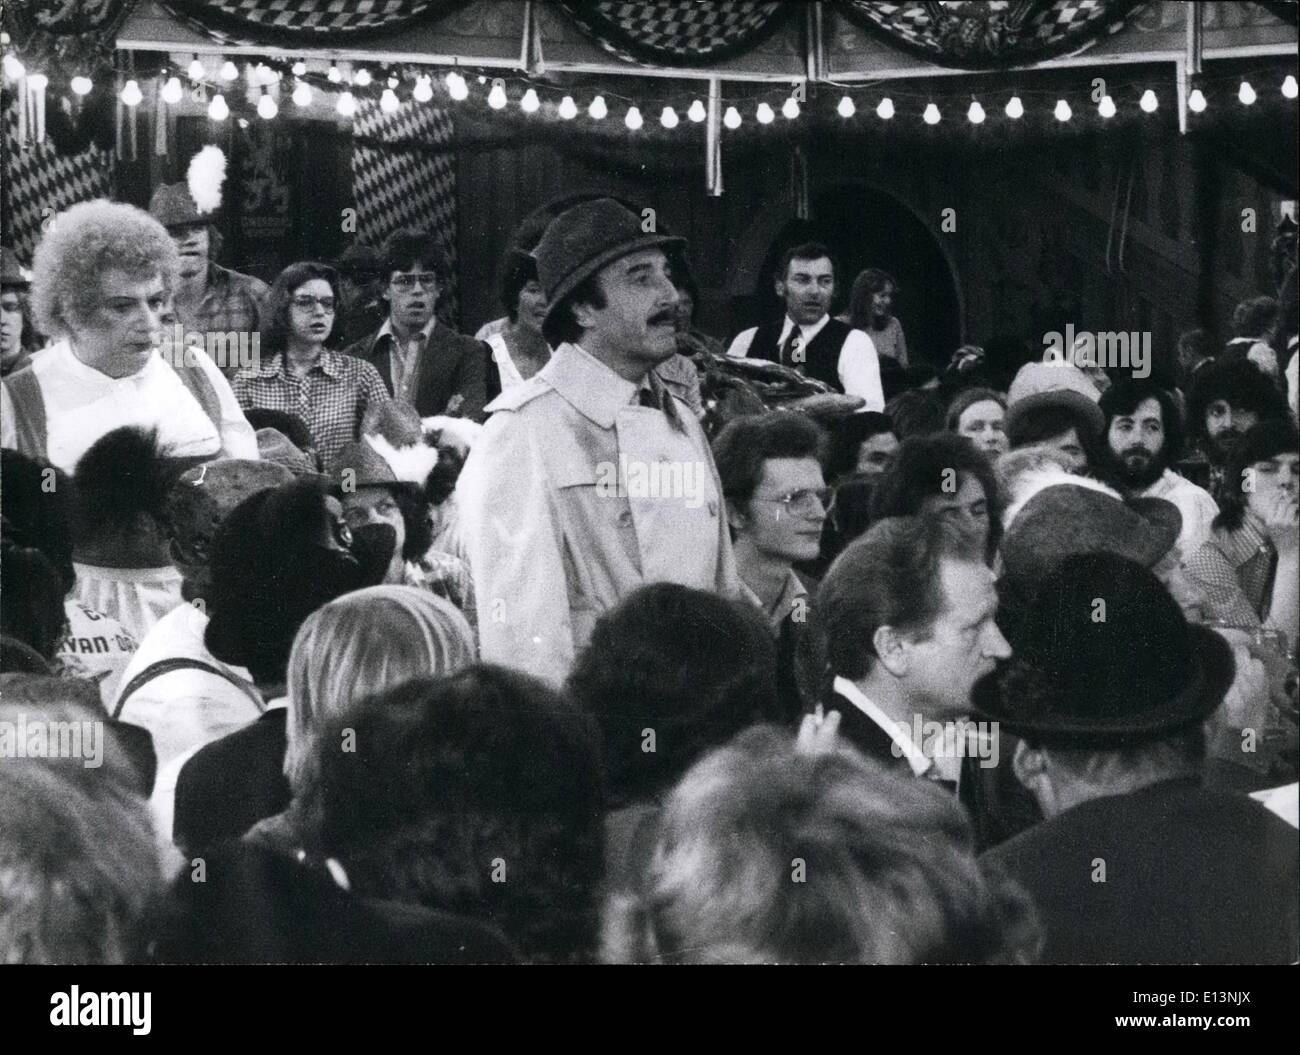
865	226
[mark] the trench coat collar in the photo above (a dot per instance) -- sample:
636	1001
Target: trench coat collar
594	390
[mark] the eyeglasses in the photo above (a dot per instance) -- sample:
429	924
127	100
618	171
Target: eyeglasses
427	279
307	301
803	502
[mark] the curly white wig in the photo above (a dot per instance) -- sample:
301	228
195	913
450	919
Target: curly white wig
80	245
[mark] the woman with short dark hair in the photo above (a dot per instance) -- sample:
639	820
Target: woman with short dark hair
518	350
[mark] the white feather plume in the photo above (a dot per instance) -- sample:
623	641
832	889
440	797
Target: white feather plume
206	174
411	464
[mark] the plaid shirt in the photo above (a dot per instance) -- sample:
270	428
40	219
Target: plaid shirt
331	399
1235	570
233	303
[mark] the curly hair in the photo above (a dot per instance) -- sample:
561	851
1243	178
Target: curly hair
1239	383
887	868
691	667
477	794
918	471
81	244
275	314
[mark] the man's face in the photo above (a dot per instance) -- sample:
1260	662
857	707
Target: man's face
981	423
638	324
124	328
807	289
966	511
1225	425
874	453
192	243
1069	445
376	505
1137	444
882	303
791	530
964	643
11	325
412	296
1274	485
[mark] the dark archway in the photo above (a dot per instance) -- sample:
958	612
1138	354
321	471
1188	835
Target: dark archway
865	226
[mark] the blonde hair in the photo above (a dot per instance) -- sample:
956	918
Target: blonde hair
361	644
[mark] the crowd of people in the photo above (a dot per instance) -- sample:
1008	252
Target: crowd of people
404	645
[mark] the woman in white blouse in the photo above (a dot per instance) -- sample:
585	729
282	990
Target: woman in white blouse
519	350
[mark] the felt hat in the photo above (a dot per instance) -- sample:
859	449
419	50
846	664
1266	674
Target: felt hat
199	502
1084	409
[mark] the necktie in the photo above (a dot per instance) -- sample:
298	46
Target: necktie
792	342
647	398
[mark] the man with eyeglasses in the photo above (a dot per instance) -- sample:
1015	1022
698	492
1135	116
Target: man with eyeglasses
421	359
591	478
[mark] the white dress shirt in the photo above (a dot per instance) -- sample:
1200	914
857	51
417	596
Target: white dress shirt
1195	504
858	368
900	734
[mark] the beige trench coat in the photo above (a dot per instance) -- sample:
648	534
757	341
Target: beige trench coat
573	497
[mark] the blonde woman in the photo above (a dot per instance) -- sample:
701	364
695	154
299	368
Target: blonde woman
352	648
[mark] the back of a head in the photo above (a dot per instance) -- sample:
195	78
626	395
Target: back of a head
766	855
477	794
121	479
31	600
686	668
916	412
38	509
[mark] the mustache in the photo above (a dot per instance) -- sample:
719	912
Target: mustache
1134	452
668	315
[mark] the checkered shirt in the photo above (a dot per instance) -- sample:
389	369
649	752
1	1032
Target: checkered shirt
1235	569
232	303
331	399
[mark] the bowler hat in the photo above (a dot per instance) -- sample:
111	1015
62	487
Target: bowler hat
1067	519
172	206
584	239
1106	659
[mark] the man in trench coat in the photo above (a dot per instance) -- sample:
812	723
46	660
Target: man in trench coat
591	479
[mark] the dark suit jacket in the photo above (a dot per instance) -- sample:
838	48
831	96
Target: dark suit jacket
232	783
866	735
451	365
1191	876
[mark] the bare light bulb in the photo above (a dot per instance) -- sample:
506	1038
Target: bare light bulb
697	112
171	91
217	109
931	115
568	108
731	118
885	109
131	94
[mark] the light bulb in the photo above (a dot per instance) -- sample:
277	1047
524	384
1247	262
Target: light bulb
1289	87
764	114
172	91
598	110
1149	103
334	77
217	109
361	78
423	90
846	107
131	94
266	107
13	68
1015	108
669	118
1106	107
393	82
1196	101
530	104
1062	111
790	109
697	112
229	71
568	108
347	104
731	118
299	68
82	85
388	102
38	82
456	86
1246	93
931	115
633	120
302	94
196	72
975	115
497	97
885	109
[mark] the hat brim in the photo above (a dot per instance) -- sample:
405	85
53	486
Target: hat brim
1165	524
1083	408
1200	698
589	267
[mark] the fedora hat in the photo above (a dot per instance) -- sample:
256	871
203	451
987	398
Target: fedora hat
1068	519
1105	659
584	239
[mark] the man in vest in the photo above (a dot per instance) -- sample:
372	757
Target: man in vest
807	338
100	283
